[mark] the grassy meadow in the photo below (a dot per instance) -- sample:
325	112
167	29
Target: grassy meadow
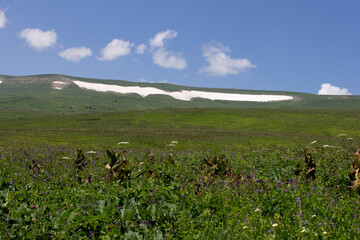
184	174
77	164
199	129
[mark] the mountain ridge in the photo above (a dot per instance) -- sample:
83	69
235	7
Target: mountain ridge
36	95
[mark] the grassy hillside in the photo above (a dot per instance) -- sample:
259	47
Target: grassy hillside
33	96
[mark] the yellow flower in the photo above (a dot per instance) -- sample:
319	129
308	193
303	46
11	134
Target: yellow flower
275	225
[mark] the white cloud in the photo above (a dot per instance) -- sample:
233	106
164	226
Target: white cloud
158	39
161	56
328	89
116	48
167	59
39	39
3	18
75	54
142	79
140	49
221	64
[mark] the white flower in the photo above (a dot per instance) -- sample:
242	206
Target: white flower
90	152
64	158
342	135
120	143
302	231
326	146
324	233
350	138
245	227
313	216
313	142
258	210
275	225
171	145
174	142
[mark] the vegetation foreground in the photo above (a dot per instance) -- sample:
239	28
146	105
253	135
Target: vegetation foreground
57	193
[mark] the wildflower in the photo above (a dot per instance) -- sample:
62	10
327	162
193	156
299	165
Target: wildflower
326	146
356	216
313	142
258	210
34	206
342	135
230	213
121	143
313	216
174	142
64	158
276	217
245	227
299	201
275	225
324	233
90	152
349	138
302	231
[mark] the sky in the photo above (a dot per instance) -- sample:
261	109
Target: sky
302	46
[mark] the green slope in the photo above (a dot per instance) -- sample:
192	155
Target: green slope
33	96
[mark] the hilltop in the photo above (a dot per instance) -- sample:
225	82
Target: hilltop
40	95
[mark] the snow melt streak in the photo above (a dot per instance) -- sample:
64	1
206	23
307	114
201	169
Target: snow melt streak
183	95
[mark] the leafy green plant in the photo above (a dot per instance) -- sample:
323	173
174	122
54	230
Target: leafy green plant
119	168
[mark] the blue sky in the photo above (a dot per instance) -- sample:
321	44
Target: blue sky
265	45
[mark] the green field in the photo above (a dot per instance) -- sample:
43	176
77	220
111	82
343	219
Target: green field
193	128
192	170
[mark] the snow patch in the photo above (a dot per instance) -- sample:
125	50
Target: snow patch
57	82
59	85
184	95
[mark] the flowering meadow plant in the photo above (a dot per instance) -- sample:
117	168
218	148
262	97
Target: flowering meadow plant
260	193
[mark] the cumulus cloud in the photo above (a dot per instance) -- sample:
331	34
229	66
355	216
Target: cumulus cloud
221	64
116	48
168	59
75	54
140	49
39	39
328	89
161	56
158	39
3	18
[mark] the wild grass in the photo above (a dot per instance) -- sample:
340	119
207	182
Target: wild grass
186	174
198	129
63	193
